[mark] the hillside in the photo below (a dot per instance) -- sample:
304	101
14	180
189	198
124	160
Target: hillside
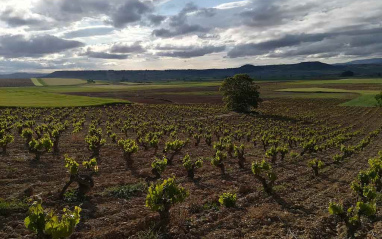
289	71
303	70
21	75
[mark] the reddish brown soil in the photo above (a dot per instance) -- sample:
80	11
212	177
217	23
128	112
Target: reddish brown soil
298	209
160	96
15	82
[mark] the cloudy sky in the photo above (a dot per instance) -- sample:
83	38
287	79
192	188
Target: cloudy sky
48	35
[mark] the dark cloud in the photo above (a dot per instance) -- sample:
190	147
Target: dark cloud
67	11
179	26
120	12
130	12
88	32
264	13
124	48
14	46
156	19
189	52
103	55
346	42
253	49
273	12
15	19
14	65
180	30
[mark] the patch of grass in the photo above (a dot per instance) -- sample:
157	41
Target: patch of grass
280	188
340	81
367	100
302	95
19	160
150	233
197	208
315	90
72	196
191	93
126	191
57	96
211	206
15	97
36	82
9	207
62	81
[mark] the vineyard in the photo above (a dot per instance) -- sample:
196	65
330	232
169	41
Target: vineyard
290	170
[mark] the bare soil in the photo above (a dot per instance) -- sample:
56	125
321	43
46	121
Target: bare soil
297	209
15	82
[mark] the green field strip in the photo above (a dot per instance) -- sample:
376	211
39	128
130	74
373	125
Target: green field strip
366	98
36	82
25	98
340	81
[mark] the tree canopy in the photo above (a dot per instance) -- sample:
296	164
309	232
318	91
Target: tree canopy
378	98
240	93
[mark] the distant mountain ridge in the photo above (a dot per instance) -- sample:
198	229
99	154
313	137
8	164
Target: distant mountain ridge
307	69
302	70
21	75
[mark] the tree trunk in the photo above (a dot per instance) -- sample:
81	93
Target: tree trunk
129	161
191	173
241	162
66	187
222	168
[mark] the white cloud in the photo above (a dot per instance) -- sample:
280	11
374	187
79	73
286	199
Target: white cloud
204	34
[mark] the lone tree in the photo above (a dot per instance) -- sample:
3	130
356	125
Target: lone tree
378	98
240	93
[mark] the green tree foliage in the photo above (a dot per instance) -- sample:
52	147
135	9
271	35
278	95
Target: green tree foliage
352	216
190	165
158	166
94	140
264	173
315	165
129	147
240	93
40	146
228	199
49	225
162	196
174	148
378	98
5	139
239	153
218	160
84	179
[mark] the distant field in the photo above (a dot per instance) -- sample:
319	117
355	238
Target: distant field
342	81
15	83
62	81
192	93
82	94
15	97
366	98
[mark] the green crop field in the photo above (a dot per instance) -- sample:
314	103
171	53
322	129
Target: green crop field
49	93
365	97
37	82
37	98
341	81
62	81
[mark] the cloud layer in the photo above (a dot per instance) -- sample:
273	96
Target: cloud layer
159	34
